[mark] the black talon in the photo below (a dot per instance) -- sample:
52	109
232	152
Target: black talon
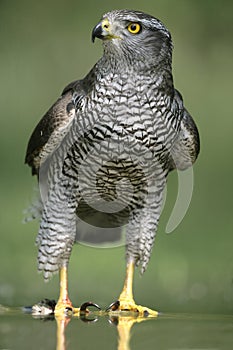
83	312
69	311
114	306
84	306
146	313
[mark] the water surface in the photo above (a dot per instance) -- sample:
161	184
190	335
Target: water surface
168	331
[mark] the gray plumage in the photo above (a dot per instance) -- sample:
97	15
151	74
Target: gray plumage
103	151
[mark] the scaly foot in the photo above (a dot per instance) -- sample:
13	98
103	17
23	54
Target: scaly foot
68	309
126	302
128	306
48	307
65	307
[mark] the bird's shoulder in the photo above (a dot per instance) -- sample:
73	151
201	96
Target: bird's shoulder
53	126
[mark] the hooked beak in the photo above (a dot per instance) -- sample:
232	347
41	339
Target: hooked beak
97	32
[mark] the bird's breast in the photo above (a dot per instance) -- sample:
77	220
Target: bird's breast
130	110
120	137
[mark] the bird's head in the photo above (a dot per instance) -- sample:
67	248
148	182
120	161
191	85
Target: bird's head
134	36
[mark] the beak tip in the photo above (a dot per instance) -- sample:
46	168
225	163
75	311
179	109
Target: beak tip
97	32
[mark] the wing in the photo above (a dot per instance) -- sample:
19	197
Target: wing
187	145
53	127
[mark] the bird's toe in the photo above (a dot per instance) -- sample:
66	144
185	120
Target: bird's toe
120	307
84	307
64	308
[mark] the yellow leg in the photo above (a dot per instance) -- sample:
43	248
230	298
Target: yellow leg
64	305
126	301
127	291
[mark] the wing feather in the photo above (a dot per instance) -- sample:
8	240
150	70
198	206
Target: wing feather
53	127
187	145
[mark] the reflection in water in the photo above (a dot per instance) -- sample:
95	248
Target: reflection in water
123	324
108	331
62	323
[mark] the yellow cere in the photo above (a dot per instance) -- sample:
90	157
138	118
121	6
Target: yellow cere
105	24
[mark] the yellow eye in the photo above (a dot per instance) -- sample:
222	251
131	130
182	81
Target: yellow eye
134	28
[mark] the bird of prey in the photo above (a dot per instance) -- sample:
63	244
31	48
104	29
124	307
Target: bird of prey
103	151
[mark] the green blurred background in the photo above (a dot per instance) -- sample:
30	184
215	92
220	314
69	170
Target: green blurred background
44	46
